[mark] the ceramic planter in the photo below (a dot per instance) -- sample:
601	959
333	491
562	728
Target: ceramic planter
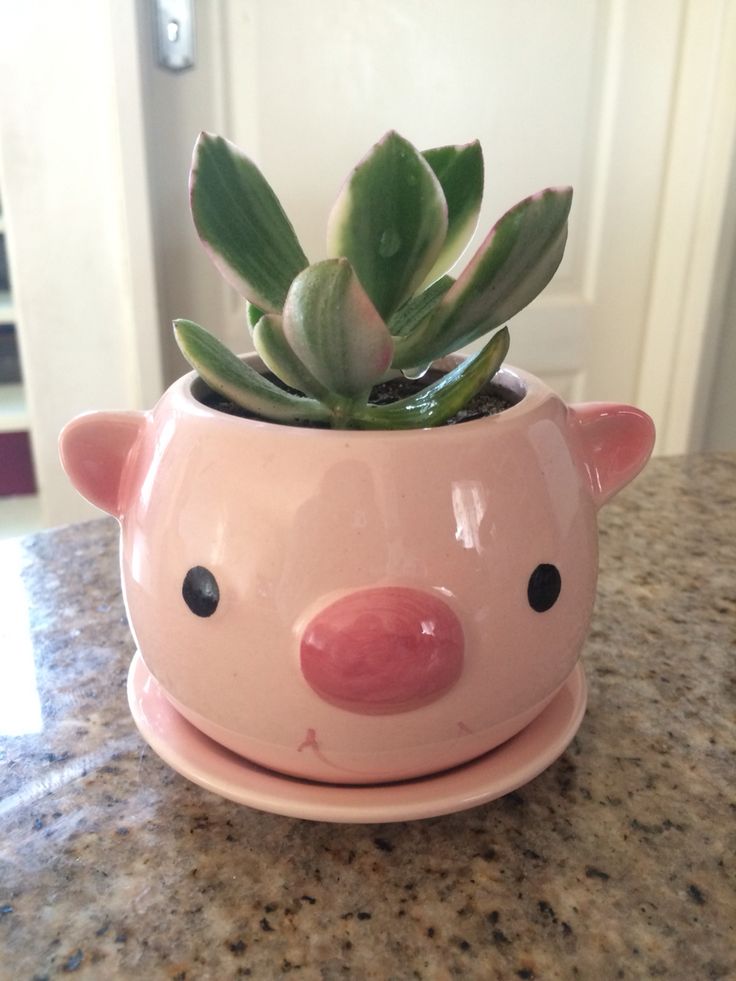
359	607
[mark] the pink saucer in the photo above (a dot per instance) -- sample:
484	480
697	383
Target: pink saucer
215	768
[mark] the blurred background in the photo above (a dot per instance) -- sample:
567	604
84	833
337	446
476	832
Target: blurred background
632	103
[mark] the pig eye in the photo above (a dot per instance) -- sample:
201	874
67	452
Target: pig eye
200	591
544	587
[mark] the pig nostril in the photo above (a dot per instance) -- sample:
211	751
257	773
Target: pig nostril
385	649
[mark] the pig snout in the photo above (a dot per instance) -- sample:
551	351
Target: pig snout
386	649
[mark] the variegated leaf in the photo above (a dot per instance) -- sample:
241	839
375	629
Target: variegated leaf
242	224
444	398
278	355
237	381
335	331
459	169
513	265
390	221
408	317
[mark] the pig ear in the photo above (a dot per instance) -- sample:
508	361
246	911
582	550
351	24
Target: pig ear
97	451
615	442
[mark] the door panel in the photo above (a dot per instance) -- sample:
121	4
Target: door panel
571	91
567	92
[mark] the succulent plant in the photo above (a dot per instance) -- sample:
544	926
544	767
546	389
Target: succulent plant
332	330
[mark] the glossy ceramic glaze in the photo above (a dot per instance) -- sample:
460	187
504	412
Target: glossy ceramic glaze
368	606
485	778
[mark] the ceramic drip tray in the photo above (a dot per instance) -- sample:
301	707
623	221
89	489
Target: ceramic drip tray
486	778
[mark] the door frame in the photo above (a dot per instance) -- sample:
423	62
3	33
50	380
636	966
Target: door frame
697	232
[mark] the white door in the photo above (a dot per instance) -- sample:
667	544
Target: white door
566	91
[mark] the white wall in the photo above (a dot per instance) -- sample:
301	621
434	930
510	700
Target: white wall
73	181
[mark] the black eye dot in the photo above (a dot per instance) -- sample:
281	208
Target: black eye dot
200	591
544	587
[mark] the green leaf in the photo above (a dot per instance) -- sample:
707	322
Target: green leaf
278	355
253	314
513	265
390	221
418	308
242	224
440	401
459	169
237	381
335	330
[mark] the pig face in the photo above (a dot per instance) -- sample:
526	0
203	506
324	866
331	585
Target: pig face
358	606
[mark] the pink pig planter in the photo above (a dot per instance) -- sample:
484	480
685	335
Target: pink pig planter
394	618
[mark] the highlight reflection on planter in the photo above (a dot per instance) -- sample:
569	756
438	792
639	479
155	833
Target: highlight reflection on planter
384	649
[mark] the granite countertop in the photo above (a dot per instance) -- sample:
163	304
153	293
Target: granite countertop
617	862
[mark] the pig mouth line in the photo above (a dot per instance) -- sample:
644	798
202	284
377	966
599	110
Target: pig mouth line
310	742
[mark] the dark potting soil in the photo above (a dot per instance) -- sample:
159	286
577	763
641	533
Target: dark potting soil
489	401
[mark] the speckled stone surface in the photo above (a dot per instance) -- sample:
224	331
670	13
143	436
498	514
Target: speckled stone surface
617	862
